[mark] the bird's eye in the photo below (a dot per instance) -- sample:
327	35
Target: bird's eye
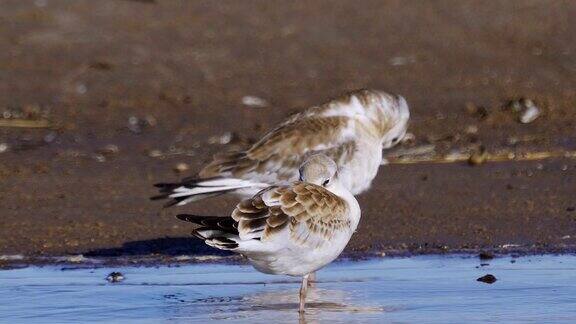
326	182
395	139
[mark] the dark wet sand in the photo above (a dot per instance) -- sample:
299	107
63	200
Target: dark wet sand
183	67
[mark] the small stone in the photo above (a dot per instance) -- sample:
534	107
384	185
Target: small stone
253	101
134	125
181	167
155	153
110	149
471	129
401	60
478	157
539	166
115	277
489	279
409	138
3	147
151	121
50	137
183	258
564	167
76	258
99	158
223	139
530	114
486	255
81	89
525	108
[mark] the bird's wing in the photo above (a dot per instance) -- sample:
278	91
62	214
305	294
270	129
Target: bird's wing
311	214
278	155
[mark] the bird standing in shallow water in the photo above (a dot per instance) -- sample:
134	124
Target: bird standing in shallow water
291	229
352	130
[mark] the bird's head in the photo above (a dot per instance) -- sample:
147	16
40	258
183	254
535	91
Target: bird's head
319	170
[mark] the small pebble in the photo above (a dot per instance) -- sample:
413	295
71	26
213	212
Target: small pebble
81	89
183	258
401	60
253	101
471	129
134	125
526	109
155	153
151	120
486	256
564	167
76	258
181	167
409	138
50	137
223	139
540	166
478	157
489	279
530	114
3	147
110	149
114	277
99	157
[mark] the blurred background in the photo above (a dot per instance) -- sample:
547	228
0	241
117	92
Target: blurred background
101	99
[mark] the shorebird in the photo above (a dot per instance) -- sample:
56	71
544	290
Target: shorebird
291	229
352	130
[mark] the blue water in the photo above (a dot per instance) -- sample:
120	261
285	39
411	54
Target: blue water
431	289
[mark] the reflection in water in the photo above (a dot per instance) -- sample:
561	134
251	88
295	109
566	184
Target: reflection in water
421	289
268	305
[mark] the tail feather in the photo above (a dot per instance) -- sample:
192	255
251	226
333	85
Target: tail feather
218	232
190	190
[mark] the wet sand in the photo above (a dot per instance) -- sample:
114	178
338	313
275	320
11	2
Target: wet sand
132	88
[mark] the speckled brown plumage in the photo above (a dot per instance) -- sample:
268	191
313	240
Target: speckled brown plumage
320	212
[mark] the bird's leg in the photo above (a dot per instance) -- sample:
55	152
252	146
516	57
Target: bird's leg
312	280
303	290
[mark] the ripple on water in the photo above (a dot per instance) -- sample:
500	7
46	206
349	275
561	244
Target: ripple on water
429	289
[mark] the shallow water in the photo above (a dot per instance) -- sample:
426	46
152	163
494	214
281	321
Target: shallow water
402	290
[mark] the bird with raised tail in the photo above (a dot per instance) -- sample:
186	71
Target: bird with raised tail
352	130
292	229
